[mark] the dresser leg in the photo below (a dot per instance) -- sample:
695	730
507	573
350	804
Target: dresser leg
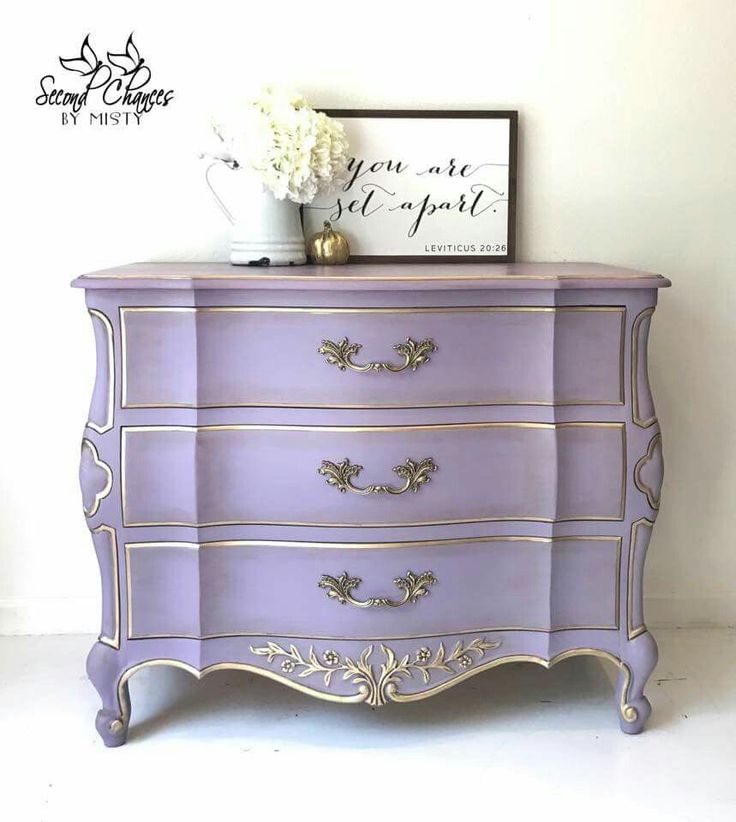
104	670
639	655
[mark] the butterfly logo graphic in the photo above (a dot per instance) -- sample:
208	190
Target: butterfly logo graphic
87	62
130	61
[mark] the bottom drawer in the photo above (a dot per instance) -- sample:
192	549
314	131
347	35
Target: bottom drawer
376	590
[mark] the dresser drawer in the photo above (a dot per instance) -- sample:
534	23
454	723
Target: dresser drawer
371	357
379	590
372	476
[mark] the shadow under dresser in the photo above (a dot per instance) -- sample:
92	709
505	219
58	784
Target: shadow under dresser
370	482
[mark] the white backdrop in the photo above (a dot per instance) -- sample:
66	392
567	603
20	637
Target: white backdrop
627	156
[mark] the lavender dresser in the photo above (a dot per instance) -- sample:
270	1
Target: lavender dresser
370	482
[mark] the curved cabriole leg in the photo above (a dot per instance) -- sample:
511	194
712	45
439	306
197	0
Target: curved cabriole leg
640	657
104	671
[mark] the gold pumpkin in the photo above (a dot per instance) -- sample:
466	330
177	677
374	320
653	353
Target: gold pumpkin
328	247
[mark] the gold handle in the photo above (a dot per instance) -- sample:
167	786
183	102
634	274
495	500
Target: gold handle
413	586
340	475
341	353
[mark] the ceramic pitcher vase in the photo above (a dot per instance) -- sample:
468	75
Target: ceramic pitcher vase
266	231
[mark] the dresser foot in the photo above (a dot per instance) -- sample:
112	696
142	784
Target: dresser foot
112	728
640	658
104	670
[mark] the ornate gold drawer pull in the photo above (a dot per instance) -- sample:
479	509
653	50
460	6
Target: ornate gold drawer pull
341	353
414	474
413	586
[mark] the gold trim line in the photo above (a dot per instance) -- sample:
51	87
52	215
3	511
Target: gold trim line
307	278
351	429
419	543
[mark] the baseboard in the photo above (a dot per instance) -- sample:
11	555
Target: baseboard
79	615
691	612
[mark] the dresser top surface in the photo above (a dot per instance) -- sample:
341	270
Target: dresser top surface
371	276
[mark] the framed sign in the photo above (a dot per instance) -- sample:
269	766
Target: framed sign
425	186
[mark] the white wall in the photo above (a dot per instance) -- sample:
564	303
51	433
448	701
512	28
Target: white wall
627	156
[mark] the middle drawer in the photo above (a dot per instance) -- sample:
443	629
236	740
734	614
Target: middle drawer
379	590
372	476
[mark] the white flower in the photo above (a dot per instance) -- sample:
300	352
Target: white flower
297	152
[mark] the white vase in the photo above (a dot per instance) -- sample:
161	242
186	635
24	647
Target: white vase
266	231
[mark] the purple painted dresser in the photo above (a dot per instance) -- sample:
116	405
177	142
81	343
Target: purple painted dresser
370	482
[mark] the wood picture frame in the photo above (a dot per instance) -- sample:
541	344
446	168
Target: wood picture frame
427	144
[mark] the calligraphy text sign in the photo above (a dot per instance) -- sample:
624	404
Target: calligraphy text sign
424	186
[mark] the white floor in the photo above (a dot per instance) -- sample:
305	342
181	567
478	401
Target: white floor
510	744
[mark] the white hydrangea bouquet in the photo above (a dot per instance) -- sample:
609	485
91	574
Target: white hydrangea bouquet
296	151
289	154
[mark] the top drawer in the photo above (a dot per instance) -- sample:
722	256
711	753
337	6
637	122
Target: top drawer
371	357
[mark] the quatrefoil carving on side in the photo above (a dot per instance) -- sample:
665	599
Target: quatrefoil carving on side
649	472
95	478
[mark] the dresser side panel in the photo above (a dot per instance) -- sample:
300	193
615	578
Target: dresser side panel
106	548
102	405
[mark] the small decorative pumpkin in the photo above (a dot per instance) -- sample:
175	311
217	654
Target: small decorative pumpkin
328	247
